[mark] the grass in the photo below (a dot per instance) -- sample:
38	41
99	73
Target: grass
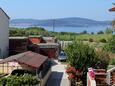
84	37
95	37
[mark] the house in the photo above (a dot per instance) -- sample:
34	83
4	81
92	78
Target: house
40	39
50	39
47	46
17	45
49	49
29	61
4	34
34	40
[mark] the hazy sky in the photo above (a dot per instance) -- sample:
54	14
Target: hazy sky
46	9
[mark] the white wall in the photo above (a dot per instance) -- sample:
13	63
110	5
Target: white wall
4	34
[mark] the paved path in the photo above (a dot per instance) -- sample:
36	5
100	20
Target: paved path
58	76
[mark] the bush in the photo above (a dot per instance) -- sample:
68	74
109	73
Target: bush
81	56
110	46
23	80
108	31
112	61
103	59
103	40
100	32
91	40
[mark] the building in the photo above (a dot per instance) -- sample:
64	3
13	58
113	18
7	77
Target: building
4	34
28	61
49	49
47	46
17	45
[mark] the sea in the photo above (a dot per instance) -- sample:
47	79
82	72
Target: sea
77	29
90	29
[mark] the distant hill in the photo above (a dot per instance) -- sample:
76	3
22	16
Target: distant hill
70	22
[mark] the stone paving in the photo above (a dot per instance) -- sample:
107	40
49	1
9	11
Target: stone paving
58	76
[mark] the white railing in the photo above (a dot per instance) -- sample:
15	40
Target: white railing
109	75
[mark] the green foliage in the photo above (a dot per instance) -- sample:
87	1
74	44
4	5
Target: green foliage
92	33
65	36
110	46
91	40
113	23
108	31
23	80
82	56
103	59
112	61
100	32
103	40
84	32
95	37
27	31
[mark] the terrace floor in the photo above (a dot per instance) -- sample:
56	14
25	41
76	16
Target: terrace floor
58	76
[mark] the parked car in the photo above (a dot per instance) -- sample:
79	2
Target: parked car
62	56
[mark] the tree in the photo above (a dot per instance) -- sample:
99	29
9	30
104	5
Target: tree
81	56
92	33
110	46
84	32
100	32
113	24
108	31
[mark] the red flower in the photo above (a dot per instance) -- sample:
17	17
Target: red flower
71	76
71	70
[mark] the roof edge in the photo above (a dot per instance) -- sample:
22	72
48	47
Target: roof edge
5	13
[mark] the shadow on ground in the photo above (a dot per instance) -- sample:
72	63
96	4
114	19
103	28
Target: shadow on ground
55	79
54	62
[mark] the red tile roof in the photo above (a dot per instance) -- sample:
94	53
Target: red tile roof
29	58
112	9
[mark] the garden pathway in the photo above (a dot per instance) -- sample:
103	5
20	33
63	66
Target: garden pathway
58	76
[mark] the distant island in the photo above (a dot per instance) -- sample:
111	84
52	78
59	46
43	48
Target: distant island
61	22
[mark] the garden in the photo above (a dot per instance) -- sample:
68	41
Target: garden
82	56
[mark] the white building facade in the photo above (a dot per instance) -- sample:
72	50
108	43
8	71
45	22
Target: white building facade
4	34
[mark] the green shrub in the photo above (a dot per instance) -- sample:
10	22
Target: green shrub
82	56
100	32
108	31
112	61
103	59
110	46
23	80
91	40
103	40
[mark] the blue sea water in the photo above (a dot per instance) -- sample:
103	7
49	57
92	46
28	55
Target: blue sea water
93	29
77	29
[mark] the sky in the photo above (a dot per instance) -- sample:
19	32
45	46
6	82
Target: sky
52	9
